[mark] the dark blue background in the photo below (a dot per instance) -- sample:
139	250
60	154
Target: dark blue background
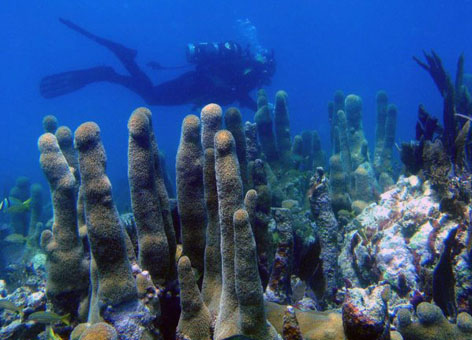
321	46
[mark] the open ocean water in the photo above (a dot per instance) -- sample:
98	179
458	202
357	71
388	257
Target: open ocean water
320	46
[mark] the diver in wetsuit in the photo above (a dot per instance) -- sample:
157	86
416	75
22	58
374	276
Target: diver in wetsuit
224	73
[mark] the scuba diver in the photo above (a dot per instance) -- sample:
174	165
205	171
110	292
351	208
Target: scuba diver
224	73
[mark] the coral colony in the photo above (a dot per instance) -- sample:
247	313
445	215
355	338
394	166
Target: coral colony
268	237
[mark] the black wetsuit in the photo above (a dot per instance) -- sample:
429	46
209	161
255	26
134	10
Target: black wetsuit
219	81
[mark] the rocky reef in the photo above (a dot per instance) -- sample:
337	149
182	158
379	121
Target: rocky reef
268	238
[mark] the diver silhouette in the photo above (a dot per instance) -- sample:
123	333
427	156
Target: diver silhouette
223	73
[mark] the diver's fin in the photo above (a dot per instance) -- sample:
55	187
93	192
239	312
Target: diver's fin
62	83
121	51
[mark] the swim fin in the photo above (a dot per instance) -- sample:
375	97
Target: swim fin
62	83
122	52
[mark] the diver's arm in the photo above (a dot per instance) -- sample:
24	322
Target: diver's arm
182	90
158	66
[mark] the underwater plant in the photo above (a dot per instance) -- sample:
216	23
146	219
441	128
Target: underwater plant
443	152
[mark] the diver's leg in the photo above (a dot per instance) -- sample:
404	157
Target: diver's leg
124	54
67	82
121	51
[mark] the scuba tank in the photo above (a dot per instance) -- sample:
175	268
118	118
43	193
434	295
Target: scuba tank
204	51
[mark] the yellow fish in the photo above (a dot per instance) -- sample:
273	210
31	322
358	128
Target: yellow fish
8	305
14	205
15	238
49	318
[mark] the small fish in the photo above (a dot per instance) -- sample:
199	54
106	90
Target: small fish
49	318
14	205
16	238
8	305
247	71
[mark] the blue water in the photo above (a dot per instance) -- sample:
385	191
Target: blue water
320	46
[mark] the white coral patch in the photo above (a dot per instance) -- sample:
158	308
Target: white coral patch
394	258
419	242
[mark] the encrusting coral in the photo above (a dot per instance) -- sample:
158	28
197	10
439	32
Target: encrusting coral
313	325
365	313
99	331
433	325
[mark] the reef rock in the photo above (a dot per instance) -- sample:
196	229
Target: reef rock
432	324
365	314
398	241
29	301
